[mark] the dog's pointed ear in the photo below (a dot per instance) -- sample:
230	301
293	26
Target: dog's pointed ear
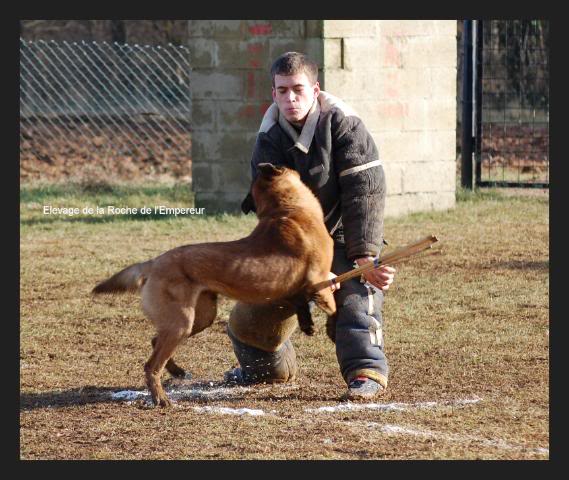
248	205
269	170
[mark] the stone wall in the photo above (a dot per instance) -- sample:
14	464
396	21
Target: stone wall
400	76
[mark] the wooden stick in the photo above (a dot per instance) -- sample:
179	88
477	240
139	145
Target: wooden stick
392	258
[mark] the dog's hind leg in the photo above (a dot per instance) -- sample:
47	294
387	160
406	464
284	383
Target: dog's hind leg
206	311
171	366
174	320
166	343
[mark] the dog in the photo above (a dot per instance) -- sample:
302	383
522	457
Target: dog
288	252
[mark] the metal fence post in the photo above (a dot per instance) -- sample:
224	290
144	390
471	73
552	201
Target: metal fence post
467	79
478	53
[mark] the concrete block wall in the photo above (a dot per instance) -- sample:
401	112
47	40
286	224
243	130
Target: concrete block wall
400	76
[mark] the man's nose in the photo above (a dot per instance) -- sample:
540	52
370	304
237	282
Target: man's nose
291	97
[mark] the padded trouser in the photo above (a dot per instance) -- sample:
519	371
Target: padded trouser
359	326
261	341
261	333
261	366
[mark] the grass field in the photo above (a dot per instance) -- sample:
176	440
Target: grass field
466	334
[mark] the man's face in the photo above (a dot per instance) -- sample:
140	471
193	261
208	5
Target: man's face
294	95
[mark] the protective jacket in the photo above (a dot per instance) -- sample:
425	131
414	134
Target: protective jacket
337	158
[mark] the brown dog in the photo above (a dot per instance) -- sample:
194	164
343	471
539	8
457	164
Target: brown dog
288	251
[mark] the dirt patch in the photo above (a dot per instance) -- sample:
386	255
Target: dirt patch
83	150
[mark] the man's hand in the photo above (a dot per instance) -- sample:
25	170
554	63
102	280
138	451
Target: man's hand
380	277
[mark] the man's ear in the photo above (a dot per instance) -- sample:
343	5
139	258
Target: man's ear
269	170
316	89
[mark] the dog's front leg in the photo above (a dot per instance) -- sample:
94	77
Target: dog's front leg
303	314
324	298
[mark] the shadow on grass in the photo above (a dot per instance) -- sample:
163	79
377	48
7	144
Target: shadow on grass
94	189
67	398
198	393
106	219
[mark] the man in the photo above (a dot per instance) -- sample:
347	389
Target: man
323	139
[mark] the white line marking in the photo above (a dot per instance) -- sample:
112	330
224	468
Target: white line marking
230	411
128	395
400	430
354	407
178	393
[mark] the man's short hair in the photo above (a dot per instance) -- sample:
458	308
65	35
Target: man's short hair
292	63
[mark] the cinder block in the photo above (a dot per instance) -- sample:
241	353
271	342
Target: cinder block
430	51
368	112
236	146
361	53
349	85
332	53
257	85
276	28
413	146
217	28
203	115
440	145
244	29
410	28
429	177
219	202
219	146
400	147
399	205
404	84
392	114
235	176
350	28
393	176
407	28
443	82
312	47
222	176
214	84
314	28
205	146
239	116
446	27
203	52
203	178
253	54
431	114
391	51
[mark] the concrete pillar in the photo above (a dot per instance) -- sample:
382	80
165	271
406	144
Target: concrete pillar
400	76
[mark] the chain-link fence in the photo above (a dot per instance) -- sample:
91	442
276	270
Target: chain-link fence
514	126
115	102
507	77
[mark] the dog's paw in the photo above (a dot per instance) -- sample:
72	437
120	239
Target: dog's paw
164	402
308	330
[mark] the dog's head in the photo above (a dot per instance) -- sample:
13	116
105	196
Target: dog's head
273	186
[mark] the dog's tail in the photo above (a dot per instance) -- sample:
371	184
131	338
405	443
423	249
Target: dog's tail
129	279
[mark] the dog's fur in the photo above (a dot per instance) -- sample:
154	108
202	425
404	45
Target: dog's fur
289	251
